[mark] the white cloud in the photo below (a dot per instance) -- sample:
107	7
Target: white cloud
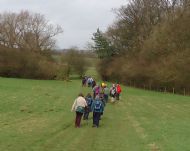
79	18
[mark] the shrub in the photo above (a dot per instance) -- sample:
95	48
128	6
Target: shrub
25	64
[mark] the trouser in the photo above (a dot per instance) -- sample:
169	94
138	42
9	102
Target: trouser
86	114
96	118
106	98
78	119
94	95
117	96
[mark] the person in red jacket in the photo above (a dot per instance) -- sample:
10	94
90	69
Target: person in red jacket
118	91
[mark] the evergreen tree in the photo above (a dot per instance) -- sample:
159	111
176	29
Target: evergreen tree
102	46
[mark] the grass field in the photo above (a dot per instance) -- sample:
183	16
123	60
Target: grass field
35	116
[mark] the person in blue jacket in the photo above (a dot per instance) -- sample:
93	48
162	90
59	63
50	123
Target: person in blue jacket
97	109
89	101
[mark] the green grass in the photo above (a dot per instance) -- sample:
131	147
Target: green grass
35	116
92	72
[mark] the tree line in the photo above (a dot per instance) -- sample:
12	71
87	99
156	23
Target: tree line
27	47
148	45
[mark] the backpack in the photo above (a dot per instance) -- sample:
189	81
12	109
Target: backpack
80	109
97	90
113	91
119	89
97	106
89	101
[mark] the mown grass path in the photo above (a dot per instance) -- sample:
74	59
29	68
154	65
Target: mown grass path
35	116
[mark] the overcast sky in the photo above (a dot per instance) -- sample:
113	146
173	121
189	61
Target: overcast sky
79	18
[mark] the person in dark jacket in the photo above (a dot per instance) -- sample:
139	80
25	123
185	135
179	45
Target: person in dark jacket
89	101
93	83
84	79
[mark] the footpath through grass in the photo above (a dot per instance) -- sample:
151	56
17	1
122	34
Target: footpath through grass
35	116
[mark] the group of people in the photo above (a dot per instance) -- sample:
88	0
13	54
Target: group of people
95	103
88	81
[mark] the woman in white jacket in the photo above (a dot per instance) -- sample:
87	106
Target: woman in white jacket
79	106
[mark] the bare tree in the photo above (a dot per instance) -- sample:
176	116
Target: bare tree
27	31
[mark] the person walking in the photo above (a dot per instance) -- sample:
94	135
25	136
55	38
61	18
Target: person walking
97	109
96	91
93	83
106	93
84	81
89	101
118	91
113	93
79	106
